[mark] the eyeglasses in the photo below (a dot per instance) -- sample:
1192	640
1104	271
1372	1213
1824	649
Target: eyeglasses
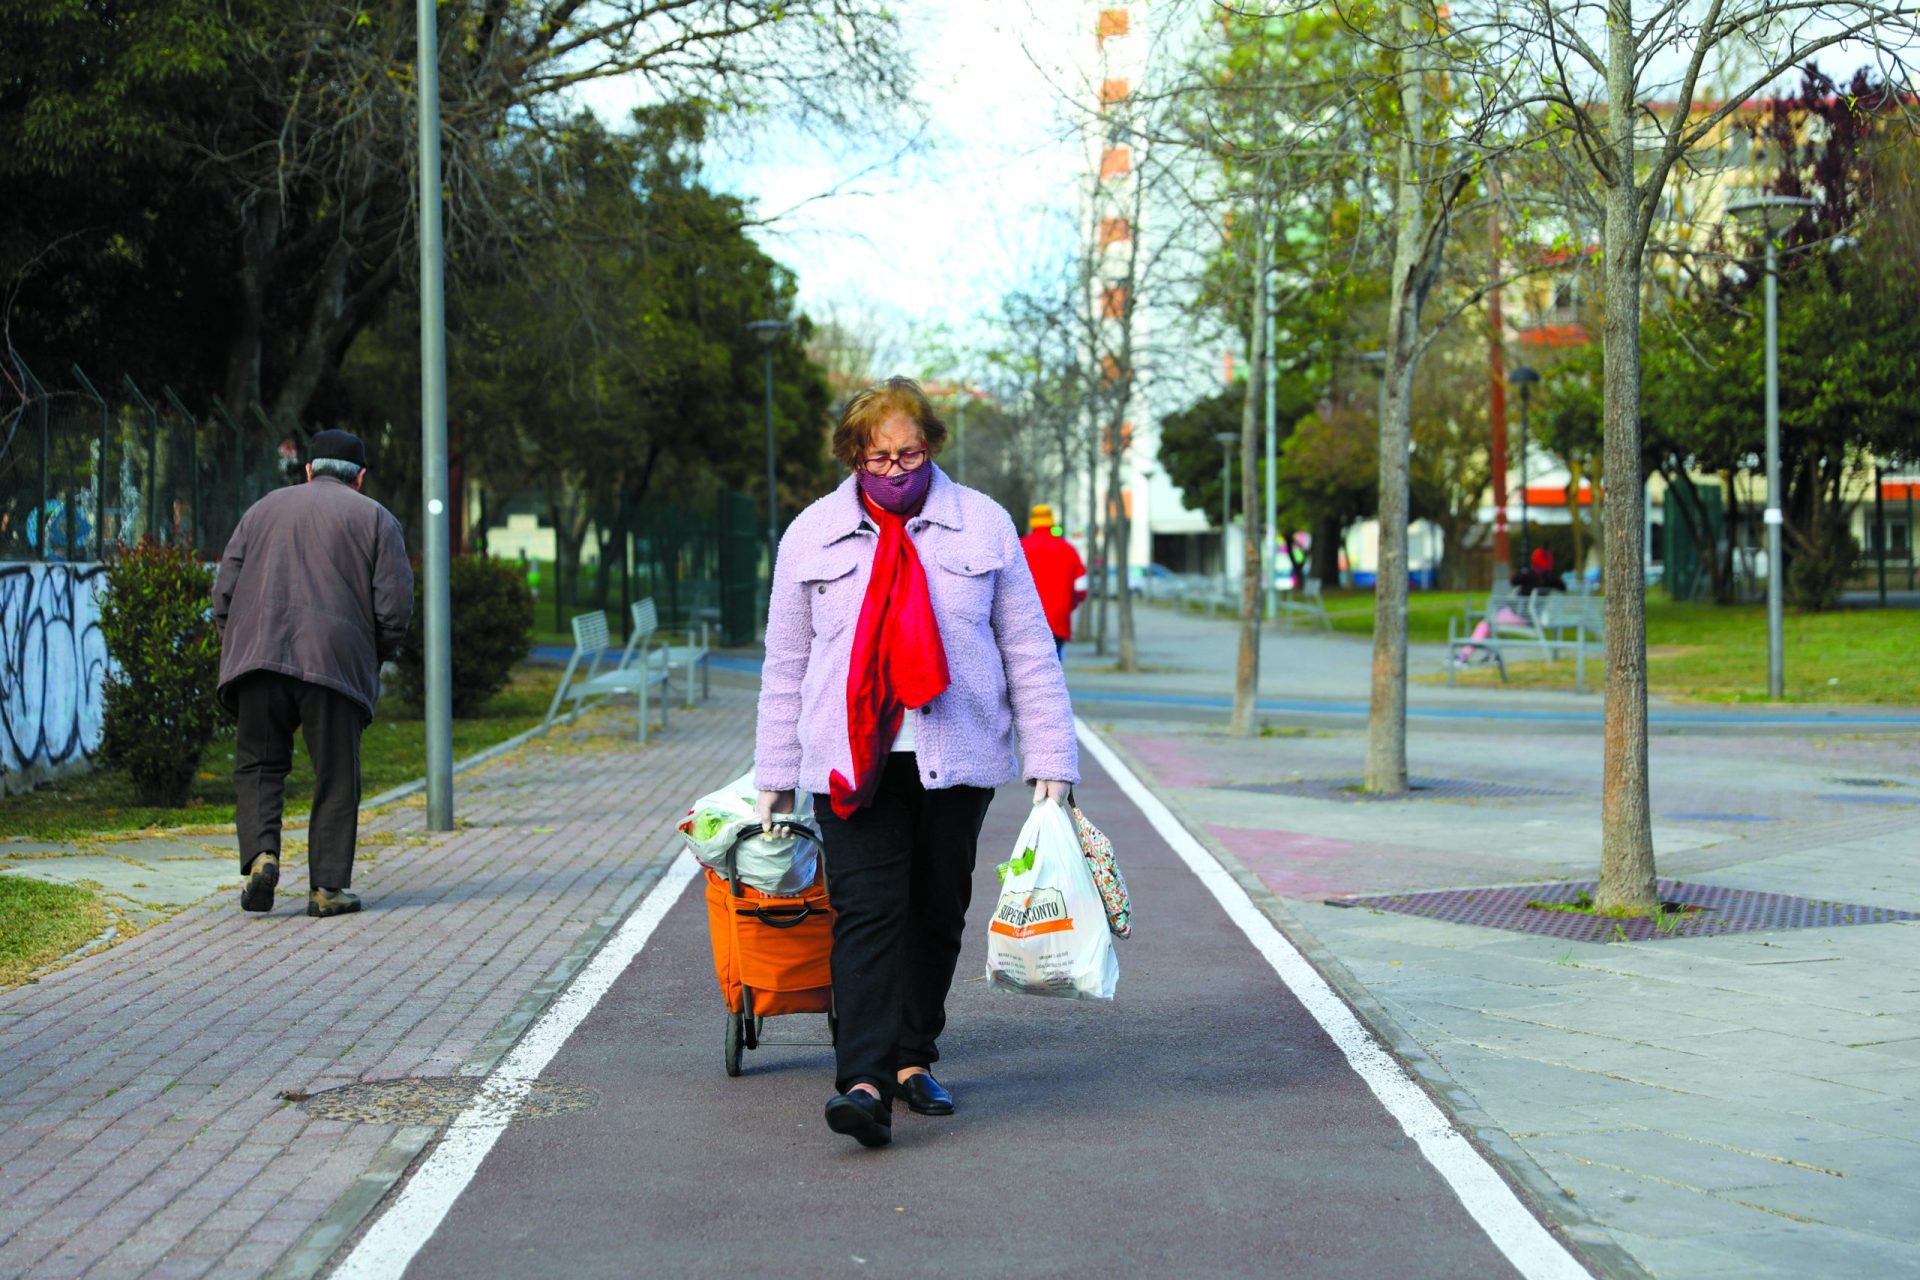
878	464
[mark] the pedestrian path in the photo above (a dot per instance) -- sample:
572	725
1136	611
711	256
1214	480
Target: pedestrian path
1210	1121
1740	1106
146	1126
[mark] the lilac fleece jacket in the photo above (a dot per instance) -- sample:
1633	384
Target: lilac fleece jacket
1007	684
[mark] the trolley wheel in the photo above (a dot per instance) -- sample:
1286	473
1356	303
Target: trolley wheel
736	1023
749	1024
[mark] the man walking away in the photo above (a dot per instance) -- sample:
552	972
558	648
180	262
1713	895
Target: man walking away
314	593
1056	570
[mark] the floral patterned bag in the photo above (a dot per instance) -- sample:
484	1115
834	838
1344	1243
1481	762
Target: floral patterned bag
1106	873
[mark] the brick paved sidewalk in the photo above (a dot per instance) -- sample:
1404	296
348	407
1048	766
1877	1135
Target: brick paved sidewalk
140	1128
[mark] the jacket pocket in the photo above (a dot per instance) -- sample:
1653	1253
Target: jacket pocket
833	595
965	582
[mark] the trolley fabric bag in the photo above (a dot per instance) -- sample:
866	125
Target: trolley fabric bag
1106	873
777	946
1049	934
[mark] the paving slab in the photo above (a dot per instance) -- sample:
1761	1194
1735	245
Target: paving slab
176	1044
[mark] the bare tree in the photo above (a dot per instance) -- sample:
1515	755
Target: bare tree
1619	89
316	148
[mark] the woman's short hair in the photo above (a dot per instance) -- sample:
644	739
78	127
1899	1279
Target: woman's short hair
865	413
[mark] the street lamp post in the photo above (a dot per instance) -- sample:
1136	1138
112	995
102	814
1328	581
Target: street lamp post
1524	378
769	332
438	621
1776	626
1227	440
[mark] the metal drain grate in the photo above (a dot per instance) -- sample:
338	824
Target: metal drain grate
436	1101
1722	910
1351	790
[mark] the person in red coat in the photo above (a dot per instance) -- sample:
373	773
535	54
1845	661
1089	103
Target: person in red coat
1056	569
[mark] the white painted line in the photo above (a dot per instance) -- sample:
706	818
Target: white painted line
412	1217
1528	1245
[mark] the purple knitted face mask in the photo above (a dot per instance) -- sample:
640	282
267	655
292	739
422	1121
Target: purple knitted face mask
901	494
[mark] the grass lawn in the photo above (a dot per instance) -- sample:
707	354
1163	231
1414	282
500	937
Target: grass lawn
1718	653
40	922
392	751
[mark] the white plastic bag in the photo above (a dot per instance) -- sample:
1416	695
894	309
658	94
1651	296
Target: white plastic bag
782	863
1049	935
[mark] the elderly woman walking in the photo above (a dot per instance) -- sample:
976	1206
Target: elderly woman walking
907	656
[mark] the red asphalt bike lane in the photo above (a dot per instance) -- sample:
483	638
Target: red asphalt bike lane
1204	1123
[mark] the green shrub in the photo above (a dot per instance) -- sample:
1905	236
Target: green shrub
1819	569
156	617
492	630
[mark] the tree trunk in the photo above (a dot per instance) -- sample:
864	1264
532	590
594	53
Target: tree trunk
1626	821
1246	676
1121	523
1386	771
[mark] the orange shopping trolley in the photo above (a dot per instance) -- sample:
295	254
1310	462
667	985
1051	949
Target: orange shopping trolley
770	952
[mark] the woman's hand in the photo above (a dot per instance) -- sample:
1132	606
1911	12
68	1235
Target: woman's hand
770	803
1057	792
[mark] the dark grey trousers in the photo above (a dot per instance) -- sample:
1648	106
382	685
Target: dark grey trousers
270	707
901	875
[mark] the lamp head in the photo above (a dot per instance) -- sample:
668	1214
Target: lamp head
768	331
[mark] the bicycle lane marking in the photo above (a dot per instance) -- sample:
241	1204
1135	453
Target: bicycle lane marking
412	1217
1513	1228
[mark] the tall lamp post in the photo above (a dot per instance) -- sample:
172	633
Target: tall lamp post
1526	378
438	628
1776	649
1227	440
769	332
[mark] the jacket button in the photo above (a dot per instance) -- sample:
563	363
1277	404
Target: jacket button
933	773
823	588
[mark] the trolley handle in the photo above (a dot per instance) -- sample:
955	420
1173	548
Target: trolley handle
778	918
791	826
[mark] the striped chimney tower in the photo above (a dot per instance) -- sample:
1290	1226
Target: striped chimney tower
1112	209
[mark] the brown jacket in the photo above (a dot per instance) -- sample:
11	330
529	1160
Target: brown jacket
315	584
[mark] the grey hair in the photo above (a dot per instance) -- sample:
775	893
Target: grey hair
338	468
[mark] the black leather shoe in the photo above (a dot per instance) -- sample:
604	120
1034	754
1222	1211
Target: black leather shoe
860	1116
332	902
262	877
925	1096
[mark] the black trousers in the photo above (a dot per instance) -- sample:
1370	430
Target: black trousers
901	874
271	706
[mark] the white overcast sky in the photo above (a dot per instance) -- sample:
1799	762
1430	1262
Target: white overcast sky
938	237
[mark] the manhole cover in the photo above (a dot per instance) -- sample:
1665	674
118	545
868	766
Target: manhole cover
1721	910
436	1101
1353	789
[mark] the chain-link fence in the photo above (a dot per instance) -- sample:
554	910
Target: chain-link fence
86	466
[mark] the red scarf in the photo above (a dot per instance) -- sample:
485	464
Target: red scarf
898	660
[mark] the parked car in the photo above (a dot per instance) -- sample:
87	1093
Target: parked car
1153	581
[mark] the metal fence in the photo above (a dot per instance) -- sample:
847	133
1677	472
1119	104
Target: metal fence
700	561
86	466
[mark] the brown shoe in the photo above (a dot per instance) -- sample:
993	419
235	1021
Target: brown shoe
263	874
331	902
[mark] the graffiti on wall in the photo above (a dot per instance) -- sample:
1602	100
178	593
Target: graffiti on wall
53	670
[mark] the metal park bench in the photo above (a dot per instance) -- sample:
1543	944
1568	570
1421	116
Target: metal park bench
694	653
1548	623
1304	600
639	668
